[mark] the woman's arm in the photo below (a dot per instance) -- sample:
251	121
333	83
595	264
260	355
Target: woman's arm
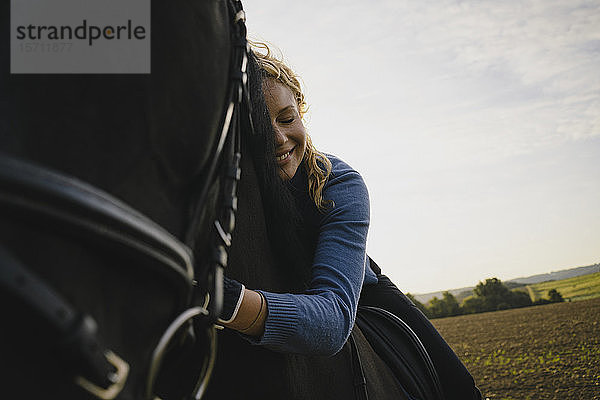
320	321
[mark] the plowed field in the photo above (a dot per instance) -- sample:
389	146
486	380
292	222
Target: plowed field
537	353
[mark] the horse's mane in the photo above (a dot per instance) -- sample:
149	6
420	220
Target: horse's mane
285	225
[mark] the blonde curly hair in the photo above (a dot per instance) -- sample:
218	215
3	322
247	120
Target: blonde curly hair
317	165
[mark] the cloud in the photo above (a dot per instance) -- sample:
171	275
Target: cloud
550	49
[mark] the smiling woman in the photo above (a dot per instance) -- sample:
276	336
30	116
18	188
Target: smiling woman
333	202
287	107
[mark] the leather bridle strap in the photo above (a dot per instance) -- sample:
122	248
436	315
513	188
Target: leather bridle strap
228	151
103	373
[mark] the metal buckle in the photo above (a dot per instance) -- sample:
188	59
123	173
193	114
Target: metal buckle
225	237
118	378
240	16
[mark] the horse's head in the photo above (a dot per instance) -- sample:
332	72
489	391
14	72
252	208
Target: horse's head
142	138
90	157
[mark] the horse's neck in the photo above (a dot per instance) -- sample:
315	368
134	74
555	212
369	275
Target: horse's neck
251	257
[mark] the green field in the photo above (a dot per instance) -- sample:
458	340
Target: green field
579	288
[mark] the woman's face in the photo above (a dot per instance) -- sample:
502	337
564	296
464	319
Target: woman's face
290	135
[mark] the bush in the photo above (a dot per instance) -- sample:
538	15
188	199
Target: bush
495	295
473	305
447	306
490	295
519	299
554	296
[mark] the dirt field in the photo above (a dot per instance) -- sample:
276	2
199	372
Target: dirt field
537	353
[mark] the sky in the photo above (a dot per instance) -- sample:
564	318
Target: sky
476	126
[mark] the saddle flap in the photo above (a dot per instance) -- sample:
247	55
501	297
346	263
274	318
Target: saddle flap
396	343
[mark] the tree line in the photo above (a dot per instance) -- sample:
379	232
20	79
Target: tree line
490	295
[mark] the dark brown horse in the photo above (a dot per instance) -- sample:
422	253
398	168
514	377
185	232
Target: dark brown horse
146	140
98	178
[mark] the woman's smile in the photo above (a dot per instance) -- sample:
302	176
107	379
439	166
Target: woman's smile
285	157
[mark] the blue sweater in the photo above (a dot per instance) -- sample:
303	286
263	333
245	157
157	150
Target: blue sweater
319	320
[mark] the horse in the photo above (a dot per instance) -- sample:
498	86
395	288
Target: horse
107	203
111	169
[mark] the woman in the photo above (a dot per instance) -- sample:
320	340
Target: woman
334	205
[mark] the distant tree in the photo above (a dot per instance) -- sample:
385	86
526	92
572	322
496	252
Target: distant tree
493	293
473	304
435	308
519	299
417	303
447	306
490	295
492	287
451	306
554	296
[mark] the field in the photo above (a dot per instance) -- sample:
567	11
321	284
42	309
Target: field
537	353
578	288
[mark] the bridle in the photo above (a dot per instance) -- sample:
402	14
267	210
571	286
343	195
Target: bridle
228	152
228	147
35	191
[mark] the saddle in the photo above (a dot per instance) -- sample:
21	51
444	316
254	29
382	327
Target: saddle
401	350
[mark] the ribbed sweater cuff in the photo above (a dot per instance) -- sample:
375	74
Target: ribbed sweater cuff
282	320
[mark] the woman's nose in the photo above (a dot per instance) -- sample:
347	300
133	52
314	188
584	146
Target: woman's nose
280	137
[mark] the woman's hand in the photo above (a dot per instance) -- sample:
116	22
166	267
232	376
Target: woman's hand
244	310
